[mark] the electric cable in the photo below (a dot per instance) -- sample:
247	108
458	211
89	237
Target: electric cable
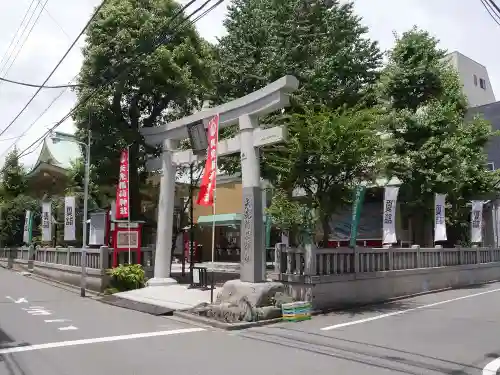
6	71
15	34
494	5
93	92
56	98
491	11
38	86
55	21
56	67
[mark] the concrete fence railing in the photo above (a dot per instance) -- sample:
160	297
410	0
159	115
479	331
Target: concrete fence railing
64	264
315	262
339	276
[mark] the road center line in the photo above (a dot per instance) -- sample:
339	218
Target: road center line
61	344
492	367
354	322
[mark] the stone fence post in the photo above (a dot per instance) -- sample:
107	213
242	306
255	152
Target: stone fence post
419	257
478	253
104	258
31	257
278	250
441	263
310	260
10	257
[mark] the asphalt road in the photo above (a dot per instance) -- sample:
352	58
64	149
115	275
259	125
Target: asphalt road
47	330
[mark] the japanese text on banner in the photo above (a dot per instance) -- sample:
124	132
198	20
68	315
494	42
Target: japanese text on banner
69	219
122	190
207	186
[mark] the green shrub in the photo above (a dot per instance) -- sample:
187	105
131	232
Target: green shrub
127	277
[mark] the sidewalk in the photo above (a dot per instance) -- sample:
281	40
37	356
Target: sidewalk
161	300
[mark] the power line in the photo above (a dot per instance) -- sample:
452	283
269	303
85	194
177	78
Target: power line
56	67
491	11
89	96
6	71
37	86
55	21
17	31
494	5
35	121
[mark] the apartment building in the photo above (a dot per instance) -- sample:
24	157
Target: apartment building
475	80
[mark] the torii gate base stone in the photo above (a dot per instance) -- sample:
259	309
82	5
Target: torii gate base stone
252	289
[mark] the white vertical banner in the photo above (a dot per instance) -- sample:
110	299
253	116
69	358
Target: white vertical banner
46	221
69	219
27	227
476	222
389	215
439	218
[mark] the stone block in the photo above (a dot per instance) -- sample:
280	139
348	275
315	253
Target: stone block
257	294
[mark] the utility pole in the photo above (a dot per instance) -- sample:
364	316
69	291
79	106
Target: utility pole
191	223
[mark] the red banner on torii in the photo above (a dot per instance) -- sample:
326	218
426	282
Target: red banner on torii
207	186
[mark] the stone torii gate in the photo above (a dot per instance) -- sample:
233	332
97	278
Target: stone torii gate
244	111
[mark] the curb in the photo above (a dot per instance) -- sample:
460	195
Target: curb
125	303
58	284
222	325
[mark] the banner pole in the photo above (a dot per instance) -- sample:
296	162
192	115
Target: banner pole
212	282
128	204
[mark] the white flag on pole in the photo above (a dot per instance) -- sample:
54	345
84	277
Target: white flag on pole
69	219
476	222
27	225
389	215
439	218
46	221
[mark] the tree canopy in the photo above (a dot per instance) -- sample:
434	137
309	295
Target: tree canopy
141	81
435	149
13	176
324	45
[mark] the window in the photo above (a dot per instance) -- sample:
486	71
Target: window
475	80
490	166
482	83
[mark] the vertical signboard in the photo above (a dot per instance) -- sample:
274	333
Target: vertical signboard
69	219
122	190
389	215
476	222
28	226
46	221
439	218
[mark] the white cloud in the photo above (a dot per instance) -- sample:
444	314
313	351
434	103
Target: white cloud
463	26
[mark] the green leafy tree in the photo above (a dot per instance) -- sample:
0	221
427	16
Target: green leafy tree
141	83
13	216
322	43
13	176
328	153
435	150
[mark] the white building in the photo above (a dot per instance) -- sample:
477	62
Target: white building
475	80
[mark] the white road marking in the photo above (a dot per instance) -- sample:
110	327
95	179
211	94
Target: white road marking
68	328
20	300
62	344
341	325
38	312
492	367
56	320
